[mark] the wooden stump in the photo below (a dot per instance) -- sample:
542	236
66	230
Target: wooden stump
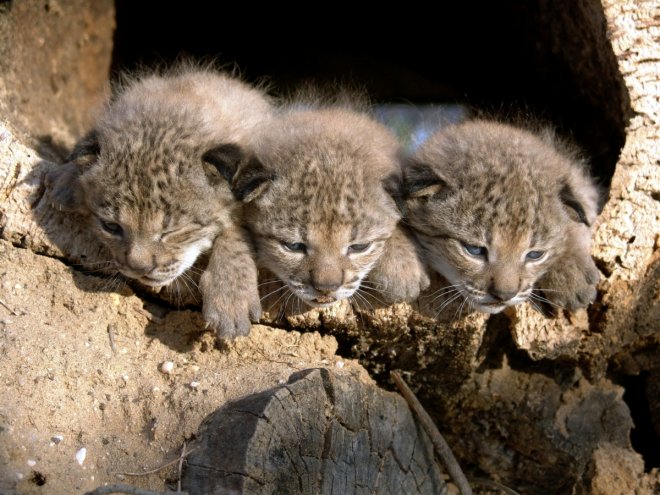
318	434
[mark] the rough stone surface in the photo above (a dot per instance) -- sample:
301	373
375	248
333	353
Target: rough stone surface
81	360
553	425
54	63
615	470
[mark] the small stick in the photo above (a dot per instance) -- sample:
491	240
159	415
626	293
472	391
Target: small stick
155	470
441	447
181	458
128	489
111	336
14	313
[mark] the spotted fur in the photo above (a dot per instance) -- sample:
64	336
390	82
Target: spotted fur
150	196
505	216
318	204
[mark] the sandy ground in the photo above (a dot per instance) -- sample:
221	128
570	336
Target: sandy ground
83	399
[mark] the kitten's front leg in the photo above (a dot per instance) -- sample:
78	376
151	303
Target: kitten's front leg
571	283
229	285
399	274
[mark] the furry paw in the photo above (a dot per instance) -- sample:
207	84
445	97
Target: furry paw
572	284
400	282
230	311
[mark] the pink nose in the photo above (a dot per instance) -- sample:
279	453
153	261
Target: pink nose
502	294
139	266
326	282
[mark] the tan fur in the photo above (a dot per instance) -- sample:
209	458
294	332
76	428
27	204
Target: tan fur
508	195
141	178
317	206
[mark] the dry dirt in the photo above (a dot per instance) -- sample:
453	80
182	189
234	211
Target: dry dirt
81	369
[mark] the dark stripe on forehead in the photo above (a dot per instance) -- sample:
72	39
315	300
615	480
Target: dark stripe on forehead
167	220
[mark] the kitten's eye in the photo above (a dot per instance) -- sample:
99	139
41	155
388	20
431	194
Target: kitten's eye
295	247
112	228
534	255
473	250
359	248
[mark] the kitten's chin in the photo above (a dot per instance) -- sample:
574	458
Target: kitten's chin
320	302
151	282
155	283
492	308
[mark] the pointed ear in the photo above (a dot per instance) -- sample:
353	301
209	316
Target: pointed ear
421	181
393	185
86	150
63	184
226	159
251	180
573	207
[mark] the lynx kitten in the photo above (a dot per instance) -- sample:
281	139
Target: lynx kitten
505	216
141	179
317	204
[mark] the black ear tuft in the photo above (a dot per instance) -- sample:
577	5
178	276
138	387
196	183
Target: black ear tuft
251	180
64	187
226	158
63	182
393	185
86	150
574	208
420	181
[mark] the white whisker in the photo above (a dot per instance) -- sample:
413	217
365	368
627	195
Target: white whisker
273	292
286	301
447	303
370	292
443	291
375	286
460	309
184	279
266	282
280	310
357	294
542	299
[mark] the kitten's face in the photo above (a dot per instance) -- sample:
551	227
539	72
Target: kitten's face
490	272
320	231
321	263
493	207
492	237
156	212
153	248
316	199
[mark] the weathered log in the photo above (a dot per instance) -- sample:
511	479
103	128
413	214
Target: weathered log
319	434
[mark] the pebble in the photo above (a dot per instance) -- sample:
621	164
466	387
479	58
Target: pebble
167	367
80	455
339	364
194	384
56	439
31	462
